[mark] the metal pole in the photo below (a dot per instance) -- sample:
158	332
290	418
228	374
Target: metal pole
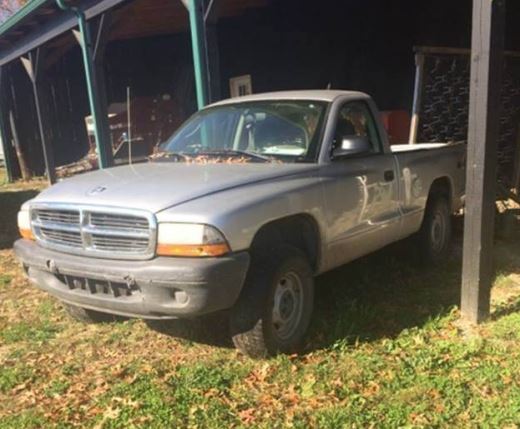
129	124
102	143
198	44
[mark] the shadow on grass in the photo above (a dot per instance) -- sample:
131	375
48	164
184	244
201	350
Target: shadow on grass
375	297
212	330
10	203
389	291
381	295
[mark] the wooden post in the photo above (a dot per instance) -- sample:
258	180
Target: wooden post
516	170
484	115
33	64
24	170
212	51
417	97
4	137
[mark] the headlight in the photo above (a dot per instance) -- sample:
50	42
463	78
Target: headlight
24	224
186	239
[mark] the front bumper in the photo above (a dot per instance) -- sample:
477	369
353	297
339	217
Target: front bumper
160	288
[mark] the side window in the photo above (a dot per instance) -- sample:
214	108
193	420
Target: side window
355	119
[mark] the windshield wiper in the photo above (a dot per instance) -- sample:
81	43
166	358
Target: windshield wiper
235	152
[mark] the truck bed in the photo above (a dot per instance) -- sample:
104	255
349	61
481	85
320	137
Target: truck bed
399	148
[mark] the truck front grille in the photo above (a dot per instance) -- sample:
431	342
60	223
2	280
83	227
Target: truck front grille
95	231
71	238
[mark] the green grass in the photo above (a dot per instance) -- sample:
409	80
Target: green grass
15	375
24	331
5	280
386	349
25	420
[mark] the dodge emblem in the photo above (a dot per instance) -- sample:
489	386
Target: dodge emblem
97	190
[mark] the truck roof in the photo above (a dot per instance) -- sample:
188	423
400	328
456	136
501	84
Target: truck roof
316	95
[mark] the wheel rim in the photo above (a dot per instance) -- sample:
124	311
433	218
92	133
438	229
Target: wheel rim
438	232
288	305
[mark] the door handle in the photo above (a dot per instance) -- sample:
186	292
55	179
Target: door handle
389	175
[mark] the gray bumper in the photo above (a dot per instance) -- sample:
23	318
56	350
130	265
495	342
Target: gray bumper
154	289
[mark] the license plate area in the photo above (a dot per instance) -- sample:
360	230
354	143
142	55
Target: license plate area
98	287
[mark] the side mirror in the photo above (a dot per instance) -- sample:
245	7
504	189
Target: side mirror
352	145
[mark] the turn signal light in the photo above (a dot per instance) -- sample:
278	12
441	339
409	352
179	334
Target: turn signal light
24	225
190	240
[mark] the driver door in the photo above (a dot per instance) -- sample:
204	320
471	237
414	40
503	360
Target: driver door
361	192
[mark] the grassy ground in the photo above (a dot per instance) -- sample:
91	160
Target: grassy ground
385	350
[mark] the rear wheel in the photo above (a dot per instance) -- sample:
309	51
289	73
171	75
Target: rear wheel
435	234
89	316
275	308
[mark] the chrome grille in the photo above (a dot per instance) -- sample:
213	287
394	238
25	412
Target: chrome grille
104	220
57	236
120	243
59	216
96	231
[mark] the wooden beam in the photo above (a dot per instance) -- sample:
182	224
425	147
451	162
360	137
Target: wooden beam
213	63
24	170
63	23
33	64
516	168
438	50
417	97
4	136
481	180
211	12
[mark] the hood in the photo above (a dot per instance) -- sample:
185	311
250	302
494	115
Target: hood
161	185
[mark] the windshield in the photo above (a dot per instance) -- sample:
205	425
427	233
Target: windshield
287	131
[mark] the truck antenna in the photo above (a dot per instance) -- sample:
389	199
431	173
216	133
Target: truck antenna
129	123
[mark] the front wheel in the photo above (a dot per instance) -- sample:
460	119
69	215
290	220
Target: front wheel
274	310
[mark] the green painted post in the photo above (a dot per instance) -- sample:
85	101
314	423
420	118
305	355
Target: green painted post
103	144
198	44
86	48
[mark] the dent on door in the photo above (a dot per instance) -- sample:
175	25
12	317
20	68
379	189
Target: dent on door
362	207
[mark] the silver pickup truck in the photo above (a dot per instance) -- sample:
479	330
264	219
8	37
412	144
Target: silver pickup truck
239	210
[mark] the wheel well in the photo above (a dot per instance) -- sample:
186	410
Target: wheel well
441	187
300	231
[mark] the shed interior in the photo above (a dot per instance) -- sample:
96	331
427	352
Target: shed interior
274	44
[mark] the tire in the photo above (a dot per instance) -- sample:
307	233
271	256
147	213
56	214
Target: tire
435	234
274	310
90	316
